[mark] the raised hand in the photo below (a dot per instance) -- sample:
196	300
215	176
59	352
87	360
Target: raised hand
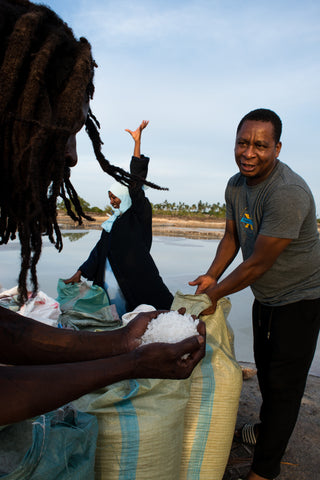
136	134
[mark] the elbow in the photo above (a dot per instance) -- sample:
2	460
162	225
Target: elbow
256	269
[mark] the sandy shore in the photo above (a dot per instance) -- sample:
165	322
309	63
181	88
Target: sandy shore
163	225
188	222
207	228
188	227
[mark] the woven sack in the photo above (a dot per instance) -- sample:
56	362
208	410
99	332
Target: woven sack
86	307
216	383
140	428
59	445
167	429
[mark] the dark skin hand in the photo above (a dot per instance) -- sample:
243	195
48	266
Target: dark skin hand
174	366
56	366
76	278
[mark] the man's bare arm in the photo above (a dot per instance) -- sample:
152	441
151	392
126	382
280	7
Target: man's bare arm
28	342
27	391
265	253
226	252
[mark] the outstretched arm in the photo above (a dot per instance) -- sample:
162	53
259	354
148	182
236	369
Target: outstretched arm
226	252
48	367
41	388
24	341
136	135
265	253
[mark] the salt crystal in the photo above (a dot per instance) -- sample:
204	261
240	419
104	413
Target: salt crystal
170	327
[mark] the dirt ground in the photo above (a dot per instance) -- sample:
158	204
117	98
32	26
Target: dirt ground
302	458
168	226
157	220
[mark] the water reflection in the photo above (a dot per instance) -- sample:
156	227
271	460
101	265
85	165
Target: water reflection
179	260
74	236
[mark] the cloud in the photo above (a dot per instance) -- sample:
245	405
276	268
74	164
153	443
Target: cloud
194	68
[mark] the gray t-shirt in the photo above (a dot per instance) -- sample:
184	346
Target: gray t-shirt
282	206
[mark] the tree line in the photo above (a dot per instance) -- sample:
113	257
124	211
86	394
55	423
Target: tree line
183	209
199	209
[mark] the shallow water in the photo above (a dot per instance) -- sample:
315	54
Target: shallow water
179	260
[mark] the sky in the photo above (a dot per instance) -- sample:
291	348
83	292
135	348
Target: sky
194	68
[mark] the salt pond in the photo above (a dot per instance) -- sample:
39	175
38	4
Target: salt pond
179	260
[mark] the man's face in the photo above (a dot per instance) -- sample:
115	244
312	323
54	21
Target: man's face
71	155
256	151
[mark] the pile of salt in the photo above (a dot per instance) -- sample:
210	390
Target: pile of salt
170	327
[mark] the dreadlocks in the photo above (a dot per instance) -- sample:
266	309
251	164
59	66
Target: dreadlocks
45	77
118	173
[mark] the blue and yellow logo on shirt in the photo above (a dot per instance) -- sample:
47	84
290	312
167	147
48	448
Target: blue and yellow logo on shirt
247	221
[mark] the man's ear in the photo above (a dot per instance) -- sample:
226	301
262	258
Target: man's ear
278	148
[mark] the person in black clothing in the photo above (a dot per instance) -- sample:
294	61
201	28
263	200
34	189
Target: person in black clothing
121	261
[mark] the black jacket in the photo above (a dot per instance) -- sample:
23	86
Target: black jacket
127	246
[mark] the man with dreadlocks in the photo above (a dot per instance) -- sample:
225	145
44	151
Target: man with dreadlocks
46	82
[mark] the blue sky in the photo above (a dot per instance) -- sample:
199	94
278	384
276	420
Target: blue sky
194	68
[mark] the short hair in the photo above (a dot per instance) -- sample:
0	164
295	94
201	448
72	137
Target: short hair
264	115
45	76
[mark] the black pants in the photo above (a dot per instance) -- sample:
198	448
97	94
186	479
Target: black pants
285	339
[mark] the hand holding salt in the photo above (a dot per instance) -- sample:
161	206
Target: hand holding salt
170	327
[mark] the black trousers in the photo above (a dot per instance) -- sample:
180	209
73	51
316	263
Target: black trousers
285	339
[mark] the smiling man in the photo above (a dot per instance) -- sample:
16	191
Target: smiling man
271	217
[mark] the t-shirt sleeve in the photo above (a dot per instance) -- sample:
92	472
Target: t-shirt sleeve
284	212
227	196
